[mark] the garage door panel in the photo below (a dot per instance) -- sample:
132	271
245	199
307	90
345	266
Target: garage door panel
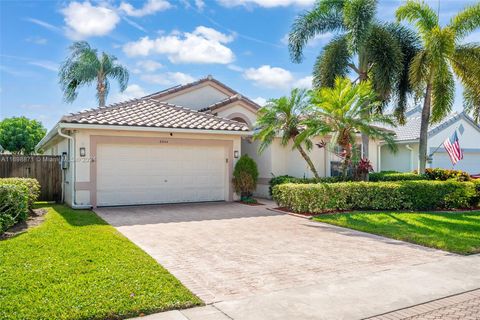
143	174
470	162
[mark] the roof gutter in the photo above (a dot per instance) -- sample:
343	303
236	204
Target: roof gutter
151	129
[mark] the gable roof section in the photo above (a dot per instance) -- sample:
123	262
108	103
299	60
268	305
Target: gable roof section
147	112
411	129
234	96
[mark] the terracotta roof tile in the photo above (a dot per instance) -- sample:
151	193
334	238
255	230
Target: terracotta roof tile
148	112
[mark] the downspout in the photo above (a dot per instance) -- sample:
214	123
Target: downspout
74	205
411	156
379	157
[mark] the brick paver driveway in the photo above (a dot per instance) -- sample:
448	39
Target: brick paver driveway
225	251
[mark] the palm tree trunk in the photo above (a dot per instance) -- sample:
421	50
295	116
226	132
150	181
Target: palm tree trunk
346	161
101	91
309	161
424	128
365	138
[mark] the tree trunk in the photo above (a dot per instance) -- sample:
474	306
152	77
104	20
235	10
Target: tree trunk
365	138
309	161
101	91
347	160
424	128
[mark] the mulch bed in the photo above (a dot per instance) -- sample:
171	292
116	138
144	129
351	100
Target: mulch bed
250	204
36	217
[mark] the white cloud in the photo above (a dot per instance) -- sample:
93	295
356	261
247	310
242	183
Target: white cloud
200	4
270	77
317	40
234	67
260	101
203	45
48	65
131	92
304	83
150	7
148	65
168	78
44	24
134	24
266	3
84	20
37	40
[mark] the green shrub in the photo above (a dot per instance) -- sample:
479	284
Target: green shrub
32	186
446	174
408	195
245	176
289	179
13	205
395	176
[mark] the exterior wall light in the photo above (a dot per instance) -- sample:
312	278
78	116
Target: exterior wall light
235	154
82	152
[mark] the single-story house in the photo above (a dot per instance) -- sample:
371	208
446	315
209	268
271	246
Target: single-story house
176	145
407	137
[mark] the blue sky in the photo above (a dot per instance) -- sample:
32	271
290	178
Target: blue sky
163	43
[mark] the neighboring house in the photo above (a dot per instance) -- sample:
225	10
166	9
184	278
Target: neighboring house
407	137
176	145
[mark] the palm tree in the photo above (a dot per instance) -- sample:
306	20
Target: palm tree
341	112
433	67
84	67
383	51
282	117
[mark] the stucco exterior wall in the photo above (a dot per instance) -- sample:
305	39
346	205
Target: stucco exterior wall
236	110
199	98
83	167
404	160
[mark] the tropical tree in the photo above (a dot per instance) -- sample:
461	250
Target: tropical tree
341	112
382	51
20	135
85	66
443	55
282	117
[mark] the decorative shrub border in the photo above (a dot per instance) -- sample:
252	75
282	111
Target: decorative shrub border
400	195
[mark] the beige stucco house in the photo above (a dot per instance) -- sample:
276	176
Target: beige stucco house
176	145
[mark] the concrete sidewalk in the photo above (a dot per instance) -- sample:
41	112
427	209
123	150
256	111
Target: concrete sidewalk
348	298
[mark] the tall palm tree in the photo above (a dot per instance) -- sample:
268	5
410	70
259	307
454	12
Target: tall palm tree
341	112
443	55
382	51
282	117
84	67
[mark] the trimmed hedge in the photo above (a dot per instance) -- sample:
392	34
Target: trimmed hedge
17	196
401	195
13	205
289	179
395	176
446	174
32	186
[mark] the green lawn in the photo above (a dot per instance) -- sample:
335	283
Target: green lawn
457	232
76	266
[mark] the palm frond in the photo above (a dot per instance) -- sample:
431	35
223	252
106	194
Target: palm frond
420	14
466	21
471	100
384	53
358	16
331	63
409	45
443	92
326	16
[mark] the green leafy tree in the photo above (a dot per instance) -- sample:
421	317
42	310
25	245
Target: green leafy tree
341	112
374	51
85	66
281	118
443	55
20	135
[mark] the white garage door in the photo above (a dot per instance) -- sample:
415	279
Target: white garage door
470	162
146	174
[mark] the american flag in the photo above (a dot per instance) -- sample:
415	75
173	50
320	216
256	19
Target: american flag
453	148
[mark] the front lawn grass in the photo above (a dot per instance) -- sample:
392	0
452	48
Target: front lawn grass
457	232
76	266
